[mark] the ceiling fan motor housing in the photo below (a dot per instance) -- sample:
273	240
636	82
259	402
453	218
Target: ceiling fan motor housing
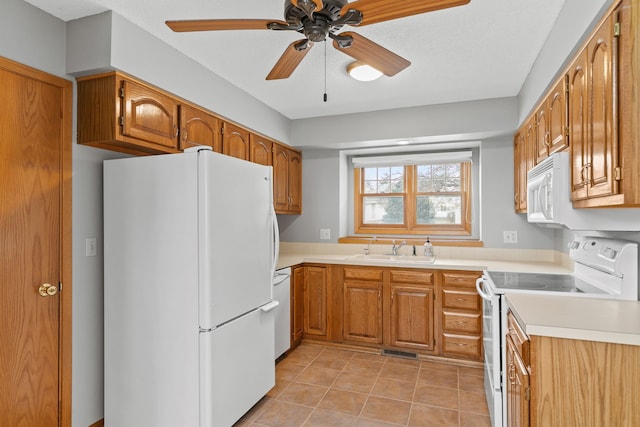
318	28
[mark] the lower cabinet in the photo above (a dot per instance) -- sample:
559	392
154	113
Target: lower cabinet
411	309
461	317
362	305
315	301
517	375
297	305
429	311
553	381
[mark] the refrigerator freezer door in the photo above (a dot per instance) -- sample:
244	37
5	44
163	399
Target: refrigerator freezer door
236	237
236	367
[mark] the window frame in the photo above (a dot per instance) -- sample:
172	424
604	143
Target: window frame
410	195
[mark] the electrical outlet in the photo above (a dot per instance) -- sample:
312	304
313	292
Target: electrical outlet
91	246
325	233
510	236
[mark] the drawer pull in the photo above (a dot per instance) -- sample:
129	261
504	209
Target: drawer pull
459	344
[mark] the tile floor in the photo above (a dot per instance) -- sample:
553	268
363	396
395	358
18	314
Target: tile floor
328	386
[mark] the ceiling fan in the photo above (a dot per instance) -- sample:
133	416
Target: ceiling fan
319	19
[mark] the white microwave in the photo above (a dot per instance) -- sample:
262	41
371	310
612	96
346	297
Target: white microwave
548	189
549	201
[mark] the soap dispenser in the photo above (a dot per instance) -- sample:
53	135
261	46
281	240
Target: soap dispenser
428	251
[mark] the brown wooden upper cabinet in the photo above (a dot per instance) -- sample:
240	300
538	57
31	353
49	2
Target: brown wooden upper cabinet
551	122
524	160
287	180
592	109
595	159
118	112
235	141
199	128
123	114
260	150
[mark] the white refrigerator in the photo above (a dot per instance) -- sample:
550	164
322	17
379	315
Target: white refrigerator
190	248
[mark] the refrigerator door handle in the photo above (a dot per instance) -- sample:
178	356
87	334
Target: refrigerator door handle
269	306
276	240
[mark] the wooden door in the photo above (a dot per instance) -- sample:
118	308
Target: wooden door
517	389
280	178
297	305
198	127
603	155
149	116
577	122
315	301
260	150
35	206
412	317
235	141
557	119
542	134
363	312
295	182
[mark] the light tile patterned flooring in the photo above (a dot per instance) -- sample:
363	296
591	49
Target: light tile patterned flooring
329	386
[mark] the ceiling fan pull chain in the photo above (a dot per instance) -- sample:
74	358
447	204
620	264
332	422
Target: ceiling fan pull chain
325	71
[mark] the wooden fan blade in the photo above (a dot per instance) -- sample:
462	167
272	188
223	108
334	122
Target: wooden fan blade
221	24
289	61
374	11
318	3
373	54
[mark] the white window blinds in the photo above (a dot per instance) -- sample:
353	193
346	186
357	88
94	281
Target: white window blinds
412	159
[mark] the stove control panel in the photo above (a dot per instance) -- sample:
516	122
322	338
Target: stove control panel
604	254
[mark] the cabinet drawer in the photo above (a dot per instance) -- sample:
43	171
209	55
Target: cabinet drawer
460	279
519	337
363	274
460	298
464	345
413	277
466	323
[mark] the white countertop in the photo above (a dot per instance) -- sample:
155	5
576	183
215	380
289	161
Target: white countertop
287	260
589	319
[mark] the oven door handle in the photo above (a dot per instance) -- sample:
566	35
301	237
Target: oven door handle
483	295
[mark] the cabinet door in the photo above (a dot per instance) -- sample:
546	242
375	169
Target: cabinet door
235	141
149	115
412	317
517	383
199	128
315	301
280	178
602	126
297	305
578	113
295	182
542	134
557	117
260	150
363	312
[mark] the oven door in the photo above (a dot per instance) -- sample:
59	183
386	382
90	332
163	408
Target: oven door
491	331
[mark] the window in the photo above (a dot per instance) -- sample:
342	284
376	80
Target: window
420	198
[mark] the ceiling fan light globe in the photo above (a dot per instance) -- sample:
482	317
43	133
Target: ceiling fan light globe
362	72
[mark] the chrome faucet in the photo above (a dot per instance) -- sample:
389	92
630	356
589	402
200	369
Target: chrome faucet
394	248
366	250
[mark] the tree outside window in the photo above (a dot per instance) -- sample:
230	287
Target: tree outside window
413	199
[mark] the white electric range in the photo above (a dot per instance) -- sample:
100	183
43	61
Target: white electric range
603	268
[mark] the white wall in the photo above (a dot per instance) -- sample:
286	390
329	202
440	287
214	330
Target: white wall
574	23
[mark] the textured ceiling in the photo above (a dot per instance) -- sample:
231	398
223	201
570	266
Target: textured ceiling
484	49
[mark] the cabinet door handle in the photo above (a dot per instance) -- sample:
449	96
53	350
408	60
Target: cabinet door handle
184	134
175	131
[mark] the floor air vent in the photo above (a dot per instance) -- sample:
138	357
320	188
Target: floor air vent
398	353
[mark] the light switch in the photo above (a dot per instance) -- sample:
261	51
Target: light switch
325	233
91	246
